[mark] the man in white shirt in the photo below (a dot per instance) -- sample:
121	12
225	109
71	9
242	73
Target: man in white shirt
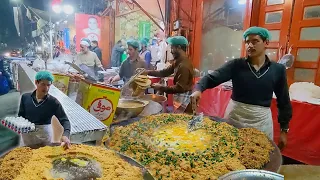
166	55
87	57
155	52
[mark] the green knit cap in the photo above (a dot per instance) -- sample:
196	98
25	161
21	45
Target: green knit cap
133	43
177	40
263	32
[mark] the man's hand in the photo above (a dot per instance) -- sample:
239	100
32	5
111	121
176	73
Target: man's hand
156	86
141	69
195	97
110	80
282	140
65	142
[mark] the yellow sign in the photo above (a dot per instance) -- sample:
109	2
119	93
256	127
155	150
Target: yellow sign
61	82
100	100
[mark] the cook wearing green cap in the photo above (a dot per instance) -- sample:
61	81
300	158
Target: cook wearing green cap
129	66
38	107
183	72
254	79
145	53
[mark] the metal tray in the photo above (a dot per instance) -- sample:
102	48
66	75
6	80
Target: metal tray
146	174
252	174
275	156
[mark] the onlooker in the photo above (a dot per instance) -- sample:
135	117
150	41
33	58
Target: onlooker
155	52
145	54
95	48
116	54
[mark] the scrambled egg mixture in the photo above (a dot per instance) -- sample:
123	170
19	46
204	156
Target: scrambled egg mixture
178	139
164	146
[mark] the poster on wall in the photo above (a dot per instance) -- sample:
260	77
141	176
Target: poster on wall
144	29
87	26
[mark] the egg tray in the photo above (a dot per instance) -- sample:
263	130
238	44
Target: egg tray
275	156
19	132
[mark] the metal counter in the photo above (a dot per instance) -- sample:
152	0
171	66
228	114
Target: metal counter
84	126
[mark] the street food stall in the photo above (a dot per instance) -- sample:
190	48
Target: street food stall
136	152
145	143
147	146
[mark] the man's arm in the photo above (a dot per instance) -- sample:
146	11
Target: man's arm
63	119
122	69
163	73
22	111
97	61
99	54
183	79
221	75
283	100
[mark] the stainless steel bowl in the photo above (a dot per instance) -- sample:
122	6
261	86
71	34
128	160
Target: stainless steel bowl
251	174
130	112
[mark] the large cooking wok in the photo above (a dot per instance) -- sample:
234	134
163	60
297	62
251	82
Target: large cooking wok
84	173
275	155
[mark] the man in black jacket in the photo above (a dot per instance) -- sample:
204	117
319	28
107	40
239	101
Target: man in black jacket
254	80
95	48
38	107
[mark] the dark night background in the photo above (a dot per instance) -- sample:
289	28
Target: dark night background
8	32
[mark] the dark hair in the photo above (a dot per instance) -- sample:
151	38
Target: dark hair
118	42
95	42
183	47
263	38
135	48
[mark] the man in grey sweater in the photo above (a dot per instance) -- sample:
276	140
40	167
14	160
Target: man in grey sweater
117	52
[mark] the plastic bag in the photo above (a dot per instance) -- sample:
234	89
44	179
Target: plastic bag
287	60
39	64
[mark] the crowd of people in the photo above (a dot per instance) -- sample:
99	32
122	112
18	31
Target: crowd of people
155	52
